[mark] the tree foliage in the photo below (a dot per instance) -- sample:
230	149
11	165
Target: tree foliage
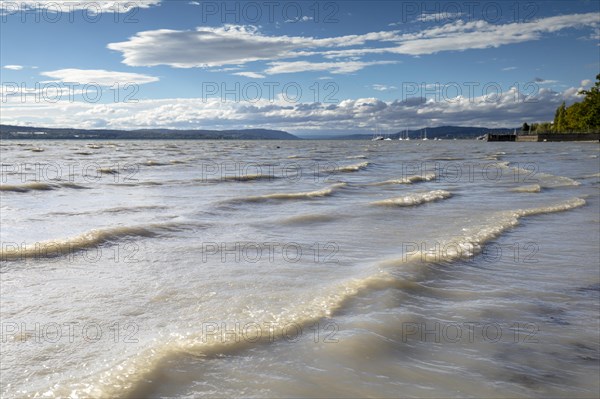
580	117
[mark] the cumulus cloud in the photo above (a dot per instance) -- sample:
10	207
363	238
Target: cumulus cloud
98	76
510	108
13	67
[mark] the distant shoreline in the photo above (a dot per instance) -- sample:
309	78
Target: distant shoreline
28	133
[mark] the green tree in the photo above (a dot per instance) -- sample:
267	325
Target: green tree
575	118
545	127
579	117
591	104
559	117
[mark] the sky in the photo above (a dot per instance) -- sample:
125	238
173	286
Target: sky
305	67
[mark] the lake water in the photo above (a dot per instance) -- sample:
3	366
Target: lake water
300	269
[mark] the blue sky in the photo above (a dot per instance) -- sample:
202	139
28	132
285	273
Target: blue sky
305	67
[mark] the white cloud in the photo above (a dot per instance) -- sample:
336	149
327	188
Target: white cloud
512	68
238	45
98	76
440	16
13	67
542	81
64	6
586	82
510	108
252	75
379	87
461	36
331	67
429	17
204	47
226	45
300	19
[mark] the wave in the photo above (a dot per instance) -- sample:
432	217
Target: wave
155	163
140	183
352	168
134	376
26	187
553	181
121	209
310	218
87	240
446	159
132	209
108	171
407	180
236	178
415	198
38	186
591	176
533	188
471	242
325	192
249	177
545	180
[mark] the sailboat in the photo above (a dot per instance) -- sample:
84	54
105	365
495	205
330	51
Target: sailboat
425	138
407	138
377	136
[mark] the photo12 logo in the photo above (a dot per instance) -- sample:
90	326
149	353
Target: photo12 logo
55	92
68	332
253	92
450	11
52	12
456	92
470	332
255	252
255	12
222	332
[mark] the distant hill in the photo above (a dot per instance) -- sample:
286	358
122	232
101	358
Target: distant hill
41	133
442	132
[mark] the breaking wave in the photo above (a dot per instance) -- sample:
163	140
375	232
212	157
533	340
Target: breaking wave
415	199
